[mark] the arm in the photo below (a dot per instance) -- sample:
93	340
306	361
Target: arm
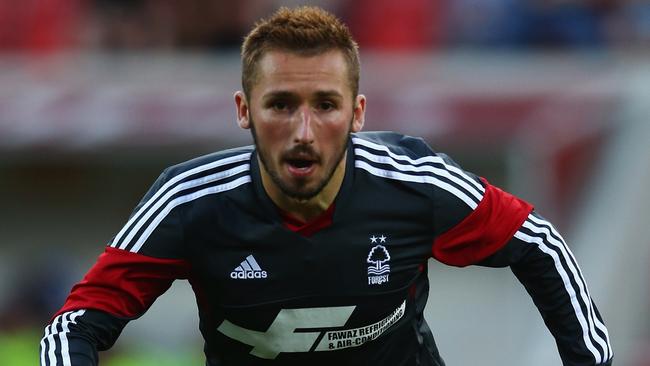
474	222
138	266
502	230
543	263
74	337
121	286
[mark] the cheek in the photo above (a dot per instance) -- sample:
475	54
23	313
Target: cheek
277	135
334	139
271	132
336	130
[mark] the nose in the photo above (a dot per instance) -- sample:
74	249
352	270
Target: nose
304	133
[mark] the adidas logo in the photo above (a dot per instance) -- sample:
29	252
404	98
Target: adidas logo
248	269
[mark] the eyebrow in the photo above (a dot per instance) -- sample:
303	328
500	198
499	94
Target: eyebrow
328	94
287	94
278	94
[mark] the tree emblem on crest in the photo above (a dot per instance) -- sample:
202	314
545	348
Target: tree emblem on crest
378	256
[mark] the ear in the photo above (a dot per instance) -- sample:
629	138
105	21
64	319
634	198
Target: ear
243	111
359	113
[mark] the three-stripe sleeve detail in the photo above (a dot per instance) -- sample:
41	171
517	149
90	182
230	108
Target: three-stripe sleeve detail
54	344
594	333
380	161
215	177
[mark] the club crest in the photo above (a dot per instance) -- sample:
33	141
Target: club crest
378	258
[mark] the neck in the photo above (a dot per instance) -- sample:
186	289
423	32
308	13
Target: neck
304	210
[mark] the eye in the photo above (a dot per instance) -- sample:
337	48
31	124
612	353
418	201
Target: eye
279	106
326	106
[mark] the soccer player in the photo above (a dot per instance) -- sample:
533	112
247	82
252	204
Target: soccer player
311	247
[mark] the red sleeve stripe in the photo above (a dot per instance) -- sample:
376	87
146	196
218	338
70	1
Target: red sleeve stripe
124	284
487	229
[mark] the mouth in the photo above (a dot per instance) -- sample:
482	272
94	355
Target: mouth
300	163
300	167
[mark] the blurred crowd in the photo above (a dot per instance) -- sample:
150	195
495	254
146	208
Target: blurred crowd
406	25
50	26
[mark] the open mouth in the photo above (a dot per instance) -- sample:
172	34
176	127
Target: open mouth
300	167
300	163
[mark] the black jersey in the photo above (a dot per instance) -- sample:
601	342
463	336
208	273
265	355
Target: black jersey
350	292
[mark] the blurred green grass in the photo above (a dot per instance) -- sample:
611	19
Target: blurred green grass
21	348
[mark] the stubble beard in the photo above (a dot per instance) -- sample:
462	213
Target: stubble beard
289	190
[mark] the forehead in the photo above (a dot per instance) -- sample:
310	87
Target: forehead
297	73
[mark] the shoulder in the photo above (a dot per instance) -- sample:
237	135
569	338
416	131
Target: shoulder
393	148
392	143
397	157
227	161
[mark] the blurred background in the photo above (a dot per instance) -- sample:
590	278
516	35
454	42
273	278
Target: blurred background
547	98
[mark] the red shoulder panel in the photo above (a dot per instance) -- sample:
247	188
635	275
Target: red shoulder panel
124	284
487	229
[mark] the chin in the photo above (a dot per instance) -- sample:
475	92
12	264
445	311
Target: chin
302	194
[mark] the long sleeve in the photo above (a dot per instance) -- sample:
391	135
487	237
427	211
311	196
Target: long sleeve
494	228
121	286
74	337
544	264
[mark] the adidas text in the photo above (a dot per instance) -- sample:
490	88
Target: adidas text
243	275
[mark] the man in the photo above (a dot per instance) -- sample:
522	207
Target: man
311	247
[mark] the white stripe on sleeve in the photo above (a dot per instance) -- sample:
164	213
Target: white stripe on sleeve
173	181
185	185
568	287
51	335
535	225
184	199
65	351
51	342
381	159
421	160
390	174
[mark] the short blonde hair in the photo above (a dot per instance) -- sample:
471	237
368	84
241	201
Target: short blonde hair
304	30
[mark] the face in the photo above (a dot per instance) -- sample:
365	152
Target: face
301	112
